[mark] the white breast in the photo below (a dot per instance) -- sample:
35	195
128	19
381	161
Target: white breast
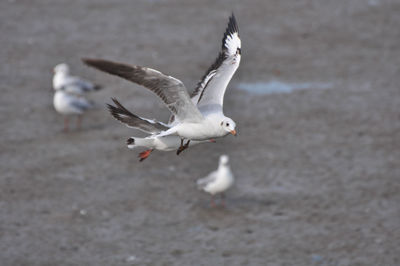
63	103
223	181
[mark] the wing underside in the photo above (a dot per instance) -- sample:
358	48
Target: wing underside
170	90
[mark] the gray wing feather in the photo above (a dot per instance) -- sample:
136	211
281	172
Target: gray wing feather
170	90
81	84
203	182
120	113
82	105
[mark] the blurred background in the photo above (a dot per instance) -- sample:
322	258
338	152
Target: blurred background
316	101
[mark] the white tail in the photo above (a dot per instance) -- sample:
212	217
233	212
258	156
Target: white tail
134	142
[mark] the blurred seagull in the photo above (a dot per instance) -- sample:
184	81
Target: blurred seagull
217	181
63	80
152	127
69	104
203	120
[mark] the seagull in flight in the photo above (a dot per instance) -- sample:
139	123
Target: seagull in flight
152	127
199	121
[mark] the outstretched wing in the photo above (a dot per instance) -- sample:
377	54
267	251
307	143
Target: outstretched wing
120	113
211	88
171	90
194	97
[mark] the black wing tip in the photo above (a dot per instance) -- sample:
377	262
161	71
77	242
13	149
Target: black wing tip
130	141
231	29
115	100
94	63
100	64
116	111
232	25
88	61
91	61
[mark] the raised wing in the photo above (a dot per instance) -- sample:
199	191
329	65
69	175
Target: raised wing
211	89
120	113
171	90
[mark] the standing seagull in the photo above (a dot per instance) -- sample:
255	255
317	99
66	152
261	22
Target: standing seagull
217	181
69	104
201	121
63	79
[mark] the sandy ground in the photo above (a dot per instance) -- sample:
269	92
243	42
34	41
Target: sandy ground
318	170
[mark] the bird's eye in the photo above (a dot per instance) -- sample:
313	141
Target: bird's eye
227	124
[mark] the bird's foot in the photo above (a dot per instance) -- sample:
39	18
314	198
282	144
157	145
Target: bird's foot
182	147
213	204
66	123
79	122
144	154
223	205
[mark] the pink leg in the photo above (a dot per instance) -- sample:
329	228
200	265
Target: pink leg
144	154
66	120
79	122
213	205
223	200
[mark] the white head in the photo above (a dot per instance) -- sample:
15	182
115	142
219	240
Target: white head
61	68
223	159
228	125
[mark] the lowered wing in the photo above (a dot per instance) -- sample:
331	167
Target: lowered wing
120	113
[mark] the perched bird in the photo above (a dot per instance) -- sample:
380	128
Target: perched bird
151	127
219	181
63	80
69	104
194	121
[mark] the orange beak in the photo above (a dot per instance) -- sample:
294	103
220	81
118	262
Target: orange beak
212	140
233	132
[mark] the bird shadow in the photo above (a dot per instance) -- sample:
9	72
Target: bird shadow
233	204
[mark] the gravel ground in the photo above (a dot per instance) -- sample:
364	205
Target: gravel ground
317	170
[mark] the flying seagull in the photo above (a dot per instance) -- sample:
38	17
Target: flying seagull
149	126
203	120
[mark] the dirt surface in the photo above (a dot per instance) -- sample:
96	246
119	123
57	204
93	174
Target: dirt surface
318	170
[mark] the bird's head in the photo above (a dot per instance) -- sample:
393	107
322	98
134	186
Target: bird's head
228	125
61	68
223	159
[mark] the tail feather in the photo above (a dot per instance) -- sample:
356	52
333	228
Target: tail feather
130	142
134	142
123	115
